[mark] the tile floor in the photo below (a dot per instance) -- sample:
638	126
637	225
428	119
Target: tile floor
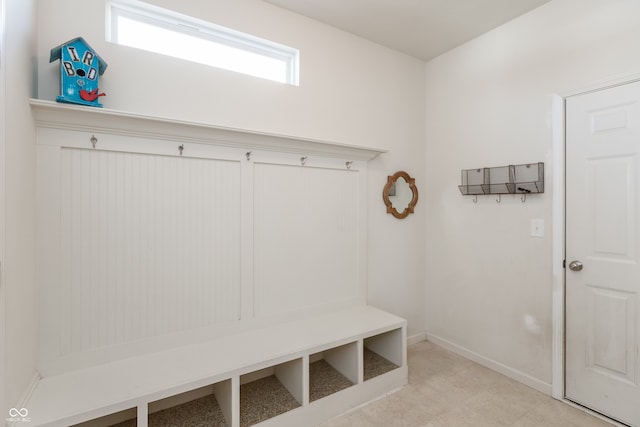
448	390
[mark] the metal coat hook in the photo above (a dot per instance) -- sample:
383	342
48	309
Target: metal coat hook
303	160
475	198
181	148
93	140
499	199
249	155
349	163
524	194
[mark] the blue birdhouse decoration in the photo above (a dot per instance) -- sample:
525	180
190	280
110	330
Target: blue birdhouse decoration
80	71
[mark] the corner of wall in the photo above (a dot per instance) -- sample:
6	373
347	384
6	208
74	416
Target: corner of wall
18	202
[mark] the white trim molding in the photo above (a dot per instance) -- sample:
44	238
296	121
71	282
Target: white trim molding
558	252
606	83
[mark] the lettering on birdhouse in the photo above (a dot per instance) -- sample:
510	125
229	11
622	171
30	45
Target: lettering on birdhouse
80	71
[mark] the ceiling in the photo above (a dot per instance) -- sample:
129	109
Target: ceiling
420	28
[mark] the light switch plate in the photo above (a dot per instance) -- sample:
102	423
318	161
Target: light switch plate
537	228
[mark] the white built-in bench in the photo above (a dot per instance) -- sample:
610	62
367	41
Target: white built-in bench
282	349
147	301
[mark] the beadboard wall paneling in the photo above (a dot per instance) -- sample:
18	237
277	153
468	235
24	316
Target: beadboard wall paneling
150	246
155	234
306	237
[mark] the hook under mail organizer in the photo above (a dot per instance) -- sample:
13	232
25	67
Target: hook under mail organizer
513	179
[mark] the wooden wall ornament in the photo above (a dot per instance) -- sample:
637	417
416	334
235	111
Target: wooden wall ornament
392	182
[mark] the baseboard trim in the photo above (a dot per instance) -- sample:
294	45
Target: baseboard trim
416	338
514	374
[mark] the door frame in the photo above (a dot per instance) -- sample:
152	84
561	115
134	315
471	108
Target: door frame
558	126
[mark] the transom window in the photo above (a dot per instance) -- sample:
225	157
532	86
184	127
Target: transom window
143	26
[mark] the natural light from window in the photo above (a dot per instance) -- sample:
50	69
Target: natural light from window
175	35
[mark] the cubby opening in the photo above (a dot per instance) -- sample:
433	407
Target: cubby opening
124	418
210	406
269	392
382	353
332	370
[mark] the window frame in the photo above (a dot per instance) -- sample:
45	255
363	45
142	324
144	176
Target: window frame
173	21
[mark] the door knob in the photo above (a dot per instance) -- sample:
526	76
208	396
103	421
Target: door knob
575	266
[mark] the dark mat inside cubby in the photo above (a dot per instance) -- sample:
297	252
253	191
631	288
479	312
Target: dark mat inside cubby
200	412
324	380
375	365
263	399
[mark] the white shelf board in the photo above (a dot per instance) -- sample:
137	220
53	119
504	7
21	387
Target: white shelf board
49	114
92	392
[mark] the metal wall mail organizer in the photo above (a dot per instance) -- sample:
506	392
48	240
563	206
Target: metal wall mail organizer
513	179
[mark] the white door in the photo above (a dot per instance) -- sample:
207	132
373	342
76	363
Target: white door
603	234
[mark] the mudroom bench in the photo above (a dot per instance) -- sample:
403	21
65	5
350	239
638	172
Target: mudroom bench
189	264
355	342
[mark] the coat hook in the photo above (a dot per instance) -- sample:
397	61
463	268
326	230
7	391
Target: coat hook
93	140
524	193
499	199
475	198
303	160
248	155
181	149
349	163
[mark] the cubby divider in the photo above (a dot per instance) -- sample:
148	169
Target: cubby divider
223	391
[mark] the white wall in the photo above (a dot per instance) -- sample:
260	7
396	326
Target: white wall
351	91
18	265
489	104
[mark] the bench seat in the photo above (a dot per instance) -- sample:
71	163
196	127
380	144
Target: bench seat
90	393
